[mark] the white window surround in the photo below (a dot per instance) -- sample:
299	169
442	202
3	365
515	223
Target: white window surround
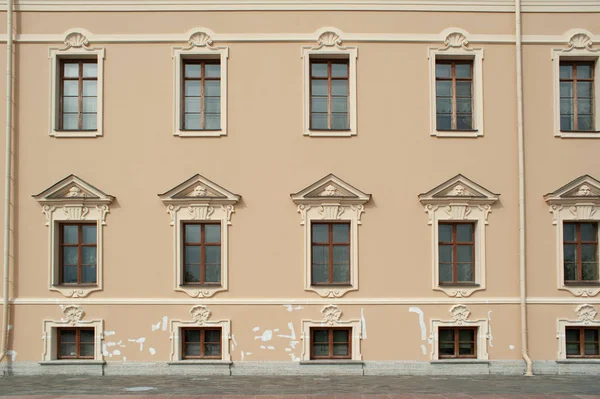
72	317
329	42
586	317
331	318
76	46
579	49
199	199
456	48
460	318
331	198
200	318
579	200
459	199
200	40
73	200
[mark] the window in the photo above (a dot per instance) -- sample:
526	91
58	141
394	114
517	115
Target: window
457	342
331	343
330	253
202	253
75	343
201	100
576	96
582	342
201	343
456	246
454	94
329	91
78	249
78	94
580	251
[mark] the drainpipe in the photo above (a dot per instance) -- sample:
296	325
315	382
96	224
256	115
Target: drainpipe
522	280
7	167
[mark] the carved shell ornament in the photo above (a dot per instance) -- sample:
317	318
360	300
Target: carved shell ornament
580	41
586	313
73	314
76	39
456	39
200	314
460	313
331	314
200	39
329	39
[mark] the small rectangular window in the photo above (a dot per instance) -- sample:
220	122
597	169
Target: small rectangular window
454	94
457	342
201	95
75	343
201	343
329	93
577	96
580	252
331	343
202	253
78	254
330	253
456	253
582	342
78	94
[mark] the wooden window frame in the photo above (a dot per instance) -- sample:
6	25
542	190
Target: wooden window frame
331	245
80	80
578	243
79	246
329	78
202	244
454	79
330	342
581	343
574	80
457	354
202	342
455	245
77	342
202	62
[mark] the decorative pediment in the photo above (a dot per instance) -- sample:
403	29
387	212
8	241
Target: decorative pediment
330	189
459	189
72	189
199	190
584	189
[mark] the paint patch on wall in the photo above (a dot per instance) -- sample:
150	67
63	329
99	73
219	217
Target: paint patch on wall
511	347
155	326
266	336
139	341
116	352
364	323
109	344
164	323
233	342
255	329
422	327
263	347
109	333
491	337
270	348
12	354
290	308
423	349
152	351
124	358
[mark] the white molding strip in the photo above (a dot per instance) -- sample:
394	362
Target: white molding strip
307	5
300	301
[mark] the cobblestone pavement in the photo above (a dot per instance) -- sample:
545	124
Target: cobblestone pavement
334	387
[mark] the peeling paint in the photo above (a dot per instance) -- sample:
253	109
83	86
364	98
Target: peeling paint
116	352
423	349
104	351
12	354
289	308
124	358
266	336
270	348
298	308
248	353
490	336
292	332
364	323
233	342
276	330
164	323
294	358
263	347
108	333
255	329
511	347
155	326
138	341
288	349
152	351
293	344
421	322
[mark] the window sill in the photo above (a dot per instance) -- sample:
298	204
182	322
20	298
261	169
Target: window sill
74	362
457	133
200	285
200	133
75	133
200	362
330	133
70	286
330	362
459	361
330	285
579	361
450	285
578	134
582	284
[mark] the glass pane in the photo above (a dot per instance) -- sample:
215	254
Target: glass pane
192	88
212	70
585	123
320	254
319	88
464	105
90	104
445	233
192	350
212	233
320	273
70	234
589	232
340	349
192	255
212	350
465	272
566	89
192	121
463	70
464	253
192	104
212	336
573	349
88	255
69	274
70	121
321	350
464	122
320	335
320	233
445	272
443	89
86	335
86	350
192	233
445	253
443	71
339	104
89	121
319	70
566	71
566	106
585	107
212	105
88	274
463	89
319	104
589	271
590	335
212	254
464	232
572	335
466	349
340	336
68	336
212	121
466	335
71	70
446	349
339	121
192	335
446	335
570	232
584	71
341	254
191	274
213	273
566	122
444	105
589	252
444	122
90	70
570	271
591	348
339	70
584	89
70	104
68	350
90	88
70	256
212	88
341	232
193	70
319	121
570	252
339	87
70	88
341	273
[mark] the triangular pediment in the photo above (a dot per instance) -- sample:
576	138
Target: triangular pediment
459	189
199	189
330	188
583	189
73	189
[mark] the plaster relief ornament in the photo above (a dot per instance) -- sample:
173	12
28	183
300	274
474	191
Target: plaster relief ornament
329	39
73	314
456	39
331	314
586	313
458	191
580	41
199	191
330	191
200	39
200	314
584	191
76	39
75	192
460	313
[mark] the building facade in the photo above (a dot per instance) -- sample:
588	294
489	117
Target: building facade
327	187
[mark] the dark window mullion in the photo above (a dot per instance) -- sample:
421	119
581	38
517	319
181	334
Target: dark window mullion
454	108
80	97
202	254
